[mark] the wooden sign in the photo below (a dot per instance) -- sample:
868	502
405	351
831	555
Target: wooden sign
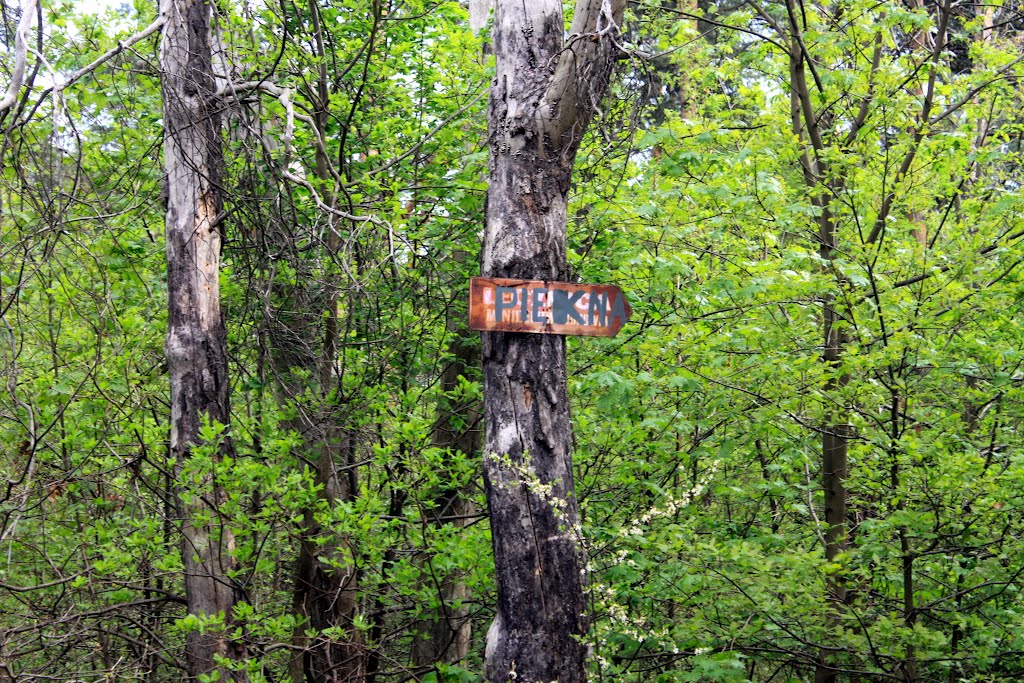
541	307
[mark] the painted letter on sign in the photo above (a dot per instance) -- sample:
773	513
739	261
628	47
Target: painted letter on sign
540	307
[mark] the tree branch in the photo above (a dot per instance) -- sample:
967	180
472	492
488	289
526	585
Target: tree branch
28	12
925	122
592	40
122	45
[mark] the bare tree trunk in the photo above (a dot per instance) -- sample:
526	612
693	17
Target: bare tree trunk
542	98
196	338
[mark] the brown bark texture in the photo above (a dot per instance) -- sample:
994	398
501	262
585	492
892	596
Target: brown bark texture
543	95
196	339
445	635
326	581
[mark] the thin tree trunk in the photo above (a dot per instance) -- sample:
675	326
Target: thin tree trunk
444	637
834	430
834	471
326	580
542	99
196	338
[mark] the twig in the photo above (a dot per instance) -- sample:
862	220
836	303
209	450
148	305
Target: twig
122	45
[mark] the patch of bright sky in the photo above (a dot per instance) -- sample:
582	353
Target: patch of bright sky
103	6
119	14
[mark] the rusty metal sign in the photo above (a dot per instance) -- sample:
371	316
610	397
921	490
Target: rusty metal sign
542	307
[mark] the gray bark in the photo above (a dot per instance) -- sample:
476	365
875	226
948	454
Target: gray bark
196	338
543	96
21	38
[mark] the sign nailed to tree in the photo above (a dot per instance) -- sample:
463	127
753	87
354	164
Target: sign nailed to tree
541	307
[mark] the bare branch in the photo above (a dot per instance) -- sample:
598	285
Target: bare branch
28	13
574	71
122	45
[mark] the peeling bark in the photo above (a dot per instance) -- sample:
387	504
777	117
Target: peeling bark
196	338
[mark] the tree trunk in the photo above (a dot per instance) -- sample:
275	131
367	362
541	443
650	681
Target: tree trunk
444	637
834	468
326	578
542	99
325	581
196	338
835	430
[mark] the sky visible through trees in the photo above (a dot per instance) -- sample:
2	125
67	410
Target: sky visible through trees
800	460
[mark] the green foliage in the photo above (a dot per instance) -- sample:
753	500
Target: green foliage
721	389
698	429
